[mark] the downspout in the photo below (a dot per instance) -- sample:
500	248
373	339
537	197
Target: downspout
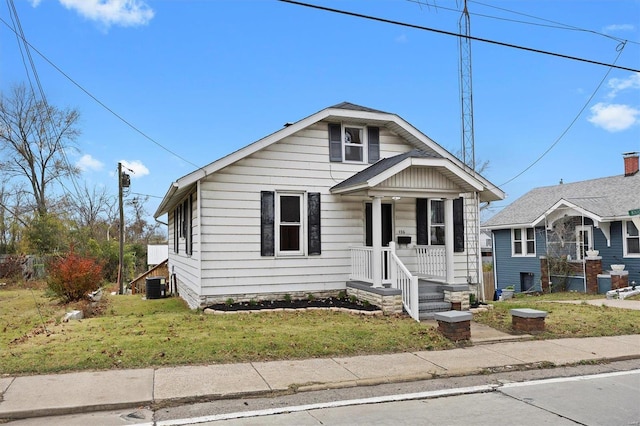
495	262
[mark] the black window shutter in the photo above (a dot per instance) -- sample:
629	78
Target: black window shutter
335	142
188	234
176	224
267	223
458	225
313	201
374	144
422	232
368	224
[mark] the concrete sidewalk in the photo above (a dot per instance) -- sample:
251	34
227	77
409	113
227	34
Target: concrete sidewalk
58	394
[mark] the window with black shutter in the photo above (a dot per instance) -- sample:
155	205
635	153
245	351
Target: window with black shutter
353	143
458	225
282	224
430	223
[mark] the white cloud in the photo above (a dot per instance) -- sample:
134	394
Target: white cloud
613	117
136	167
35	3
402	38
619	84
87	162
618	27
127	13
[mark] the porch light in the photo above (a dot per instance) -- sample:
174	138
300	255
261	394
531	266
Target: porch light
396	198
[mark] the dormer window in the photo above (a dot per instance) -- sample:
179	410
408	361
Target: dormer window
354	144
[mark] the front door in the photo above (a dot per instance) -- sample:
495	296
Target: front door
387	224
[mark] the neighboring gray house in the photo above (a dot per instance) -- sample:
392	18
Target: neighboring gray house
543	238
348	193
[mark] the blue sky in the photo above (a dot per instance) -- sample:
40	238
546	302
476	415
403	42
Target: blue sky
201	79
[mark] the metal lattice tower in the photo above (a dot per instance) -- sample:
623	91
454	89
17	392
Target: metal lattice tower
472	234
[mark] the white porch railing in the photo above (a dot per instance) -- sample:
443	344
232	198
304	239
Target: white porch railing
432	261
362	264
394	272
402	279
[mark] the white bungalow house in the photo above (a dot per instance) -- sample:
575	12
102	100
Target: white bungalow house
349	197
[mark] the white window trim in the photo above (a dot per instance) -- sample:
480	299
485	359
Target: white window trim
365	143
625	250
524	240
303	225
589	230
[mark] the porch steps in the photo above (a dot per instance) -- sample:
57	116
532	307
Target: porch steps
431	299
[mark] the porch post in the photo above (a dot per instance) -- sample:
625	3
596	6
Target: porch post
448	238
376	227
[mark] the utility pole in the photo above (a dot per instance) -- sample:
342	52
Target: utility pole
121	234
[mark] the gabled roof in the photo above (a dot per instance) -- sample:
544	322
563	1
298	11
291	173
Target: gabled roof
379	167
344	111
387	167
604	200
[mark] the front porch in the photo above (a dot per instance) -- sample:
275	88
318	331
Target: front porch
421	293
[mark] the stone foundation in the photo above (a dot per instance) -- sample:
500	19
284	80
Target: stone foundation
458	296
247	297
389	300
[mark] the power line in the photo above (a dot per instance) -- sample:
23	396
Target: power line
586	104
484	40
103	105
20	36
551	24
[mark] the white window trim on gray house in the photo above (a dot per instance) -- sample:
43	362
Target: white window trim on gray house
524	240
626	236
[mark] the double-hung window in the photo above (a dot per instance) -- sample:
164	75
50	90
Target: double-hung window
436	222
354	144
289	214
290	223
524	242
631	239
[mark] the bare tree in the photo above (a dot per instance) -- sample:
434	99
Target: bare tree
92	207
34	138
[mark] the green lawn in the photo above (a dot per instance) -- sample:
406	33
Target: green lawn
129	332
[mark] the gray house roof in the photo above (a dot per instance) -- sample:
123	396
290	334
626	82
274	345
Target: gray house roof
605	199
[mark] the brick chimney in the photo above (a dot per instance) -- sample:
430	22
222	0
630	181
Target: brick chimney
630	163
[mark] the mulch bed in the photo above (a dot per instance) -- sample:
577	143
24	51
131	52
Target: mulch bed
330	302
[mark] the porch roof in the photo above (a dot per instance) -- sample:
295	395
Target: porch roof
388	167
